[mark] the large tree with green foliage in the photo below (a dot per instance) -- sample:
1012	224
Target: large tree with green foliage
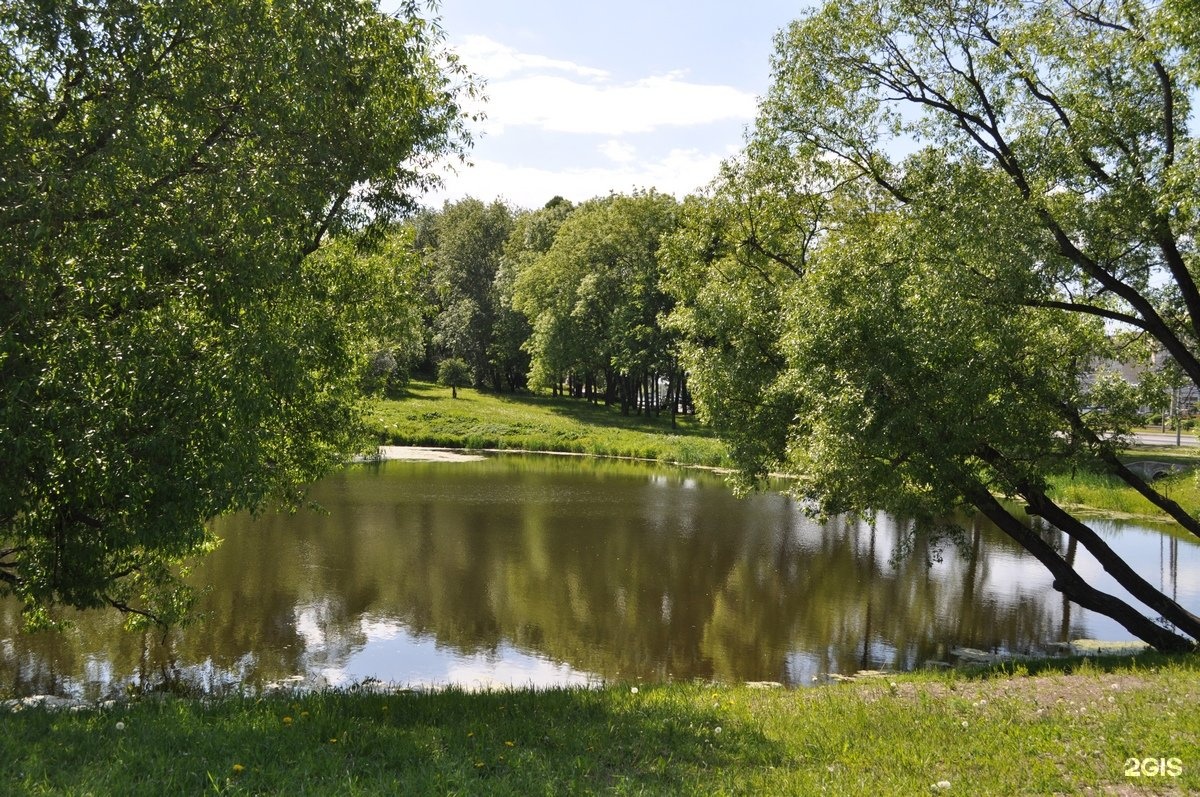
463	243
176	339
594	300
946	214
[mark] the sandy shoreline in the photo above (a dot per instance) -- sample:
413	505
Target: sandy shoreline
422	454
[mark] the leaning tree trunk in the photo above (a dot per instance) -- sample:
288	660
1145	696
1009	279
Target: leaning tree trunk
1041	505
1071	584
1114	565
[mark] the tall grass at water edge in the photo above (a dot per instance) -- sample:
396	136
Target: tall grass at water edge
1103	493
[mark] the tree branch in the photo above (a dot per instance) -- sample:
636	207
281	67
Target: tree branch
125	608
1088	309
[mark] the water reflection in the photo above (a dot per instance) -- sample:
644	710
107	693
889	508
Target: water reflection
555	570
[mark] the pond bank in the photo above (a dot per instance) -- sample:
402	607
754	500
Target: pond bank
1044	728
428	417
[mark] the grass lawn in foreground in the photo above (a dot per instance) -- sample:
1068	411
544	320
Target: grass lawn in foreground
1103	728
428	416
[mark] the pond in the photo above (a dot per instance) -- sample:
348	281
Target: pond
537	570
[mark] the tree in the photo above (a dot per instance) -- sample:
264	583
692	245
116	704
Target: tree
463	243
594	301
532	236
454	373
179	340
397	330
927	318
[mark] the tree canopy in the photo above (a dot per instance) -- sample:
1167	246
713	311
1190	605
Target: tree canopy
946	215
177	338
463	243
593	296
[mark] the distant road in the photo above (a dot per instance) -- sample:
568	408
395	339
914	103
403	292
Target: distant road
1160	439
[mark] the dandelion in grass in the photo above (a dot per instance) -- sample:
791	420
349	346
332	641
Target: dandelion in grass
120	726
633	690
287	720
510	744
238	769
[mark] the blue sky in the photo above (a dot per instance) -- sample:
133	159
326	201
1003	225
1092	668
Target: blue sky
587	98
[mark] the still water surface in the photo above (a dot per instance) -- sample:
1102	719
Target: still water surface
549	570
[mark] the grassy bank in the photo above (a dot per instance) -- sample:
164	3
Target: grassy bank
428	416
1108	494
1026	734
1104	493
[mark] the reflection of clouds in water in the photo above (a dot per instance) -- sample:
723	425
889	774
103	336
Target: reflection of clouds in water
397	658
514	670
98	670
1009	575
392	654
804	667
381	628
308	627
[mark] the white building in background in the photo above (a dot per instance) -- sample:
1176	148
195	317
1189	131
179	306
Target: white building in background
1187	395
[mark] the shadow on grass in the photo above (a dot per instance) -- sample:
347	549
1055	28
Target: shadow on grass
663	741
583	411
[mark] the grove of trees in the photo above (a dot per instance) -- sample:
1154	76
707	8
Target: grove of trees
569	298
945	216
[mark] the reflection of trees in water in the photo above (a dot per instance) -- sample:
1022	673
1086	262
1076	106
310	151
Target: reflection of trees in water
626	573
600	578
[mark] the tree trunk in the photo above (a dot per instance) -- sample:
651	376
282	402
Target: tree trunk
1114	565
1041	505
1070	583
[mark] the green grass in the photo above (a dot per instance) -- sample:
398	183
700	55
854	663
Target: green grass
1099	492
1104	493
428	416
987	733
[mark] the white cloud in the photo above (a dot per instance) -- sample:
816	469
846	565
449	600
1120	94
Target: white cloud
526	90
680	172
618	151
556	127
562	105
496	61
